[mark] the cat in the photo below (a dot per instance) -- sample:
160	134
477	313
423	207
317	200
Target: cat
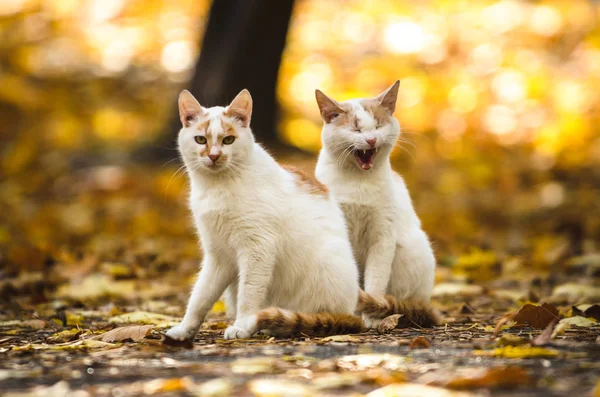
272	237
393	252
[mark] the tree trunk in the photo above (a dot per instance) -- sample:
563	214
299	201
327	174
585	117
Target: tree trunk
242	48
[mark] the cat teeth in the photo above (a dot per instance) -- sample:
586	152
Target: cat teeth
364	152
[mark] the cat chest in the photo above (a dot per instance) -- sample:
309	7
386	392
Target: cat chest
360	220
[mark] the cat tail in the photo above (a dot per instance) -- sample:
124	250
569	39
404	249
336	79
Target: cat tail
416	312
281	322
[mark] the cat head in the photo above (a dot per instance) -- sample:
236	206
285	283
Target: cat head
360	131
217	139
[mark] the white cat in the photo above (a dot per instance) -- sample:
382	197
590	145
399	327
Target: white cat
393	252
271	236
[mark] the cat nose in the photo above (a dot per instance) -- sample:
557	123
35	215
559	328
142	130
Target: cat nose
214	157
372	141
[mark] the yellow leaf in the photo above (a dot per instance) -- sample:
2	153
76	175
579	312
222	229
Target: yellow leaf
218	307
578	321
141	317
518	352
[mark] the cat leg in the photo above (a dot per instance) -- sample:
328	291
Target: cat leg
230	299
212	281
378	267
256	266
413	269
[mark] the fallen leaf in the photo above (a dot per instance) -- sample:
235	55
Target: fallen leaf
501	323
276	387
419	343
359	362
132	332
141	317
546	336
255	365
388	323
592	311
341	338
474	378
575	292
168	385
518	352
416	390
79	344
536	316
67	335
35	324
168	341
578	321
219	387
335	380
511	340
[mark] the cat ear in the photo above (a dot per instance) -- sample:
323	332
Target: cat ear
189	108
328	107
241	107
388	98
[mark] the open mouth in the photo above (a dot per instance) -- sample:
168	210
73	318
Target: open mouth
365	158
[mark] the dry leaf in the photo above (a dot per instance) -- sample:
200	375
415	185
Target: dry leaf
416	390
419	343
511	340
504	377
546	336
592	311
168	385
168	341
340	338
133	332
275	387
388	323
67	335
578	321
518	352
502	322
142	317
536	316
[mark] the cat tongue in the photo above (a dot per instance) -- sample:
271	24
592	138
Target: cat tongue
365	158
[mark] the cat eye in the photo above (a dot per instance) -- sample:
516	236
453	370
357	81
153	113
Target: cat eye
228	140
201	140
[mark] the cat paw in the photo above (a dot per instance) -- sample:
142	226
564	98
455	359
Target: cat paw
371	323
181	333
234	332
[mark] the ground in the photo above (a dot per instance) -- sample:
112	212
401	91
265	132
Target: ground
95	265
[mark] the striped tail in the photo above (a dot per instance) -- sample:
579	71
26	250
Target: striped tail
280	322
416	312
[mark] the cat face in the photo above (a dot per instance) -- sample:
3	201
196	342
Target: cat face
360	131
215	139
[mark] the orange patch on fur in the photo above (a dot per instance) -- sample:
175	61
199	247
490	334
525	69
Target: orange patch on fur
379	113
228	129
306	180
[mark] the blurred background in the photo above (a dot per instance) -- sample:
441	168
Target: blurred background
498	101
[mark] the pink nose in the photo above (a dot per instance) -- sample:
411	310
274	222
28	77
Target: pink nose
372	141
214	157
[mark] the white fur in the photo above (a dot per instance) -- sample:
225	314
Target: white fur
266	240
393	252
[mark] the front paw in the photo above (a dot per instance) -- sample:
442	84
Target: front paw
182	333
370	322
234	332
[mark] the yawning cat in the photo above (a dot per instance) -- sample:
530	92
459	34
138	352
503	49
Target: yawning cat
393	252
